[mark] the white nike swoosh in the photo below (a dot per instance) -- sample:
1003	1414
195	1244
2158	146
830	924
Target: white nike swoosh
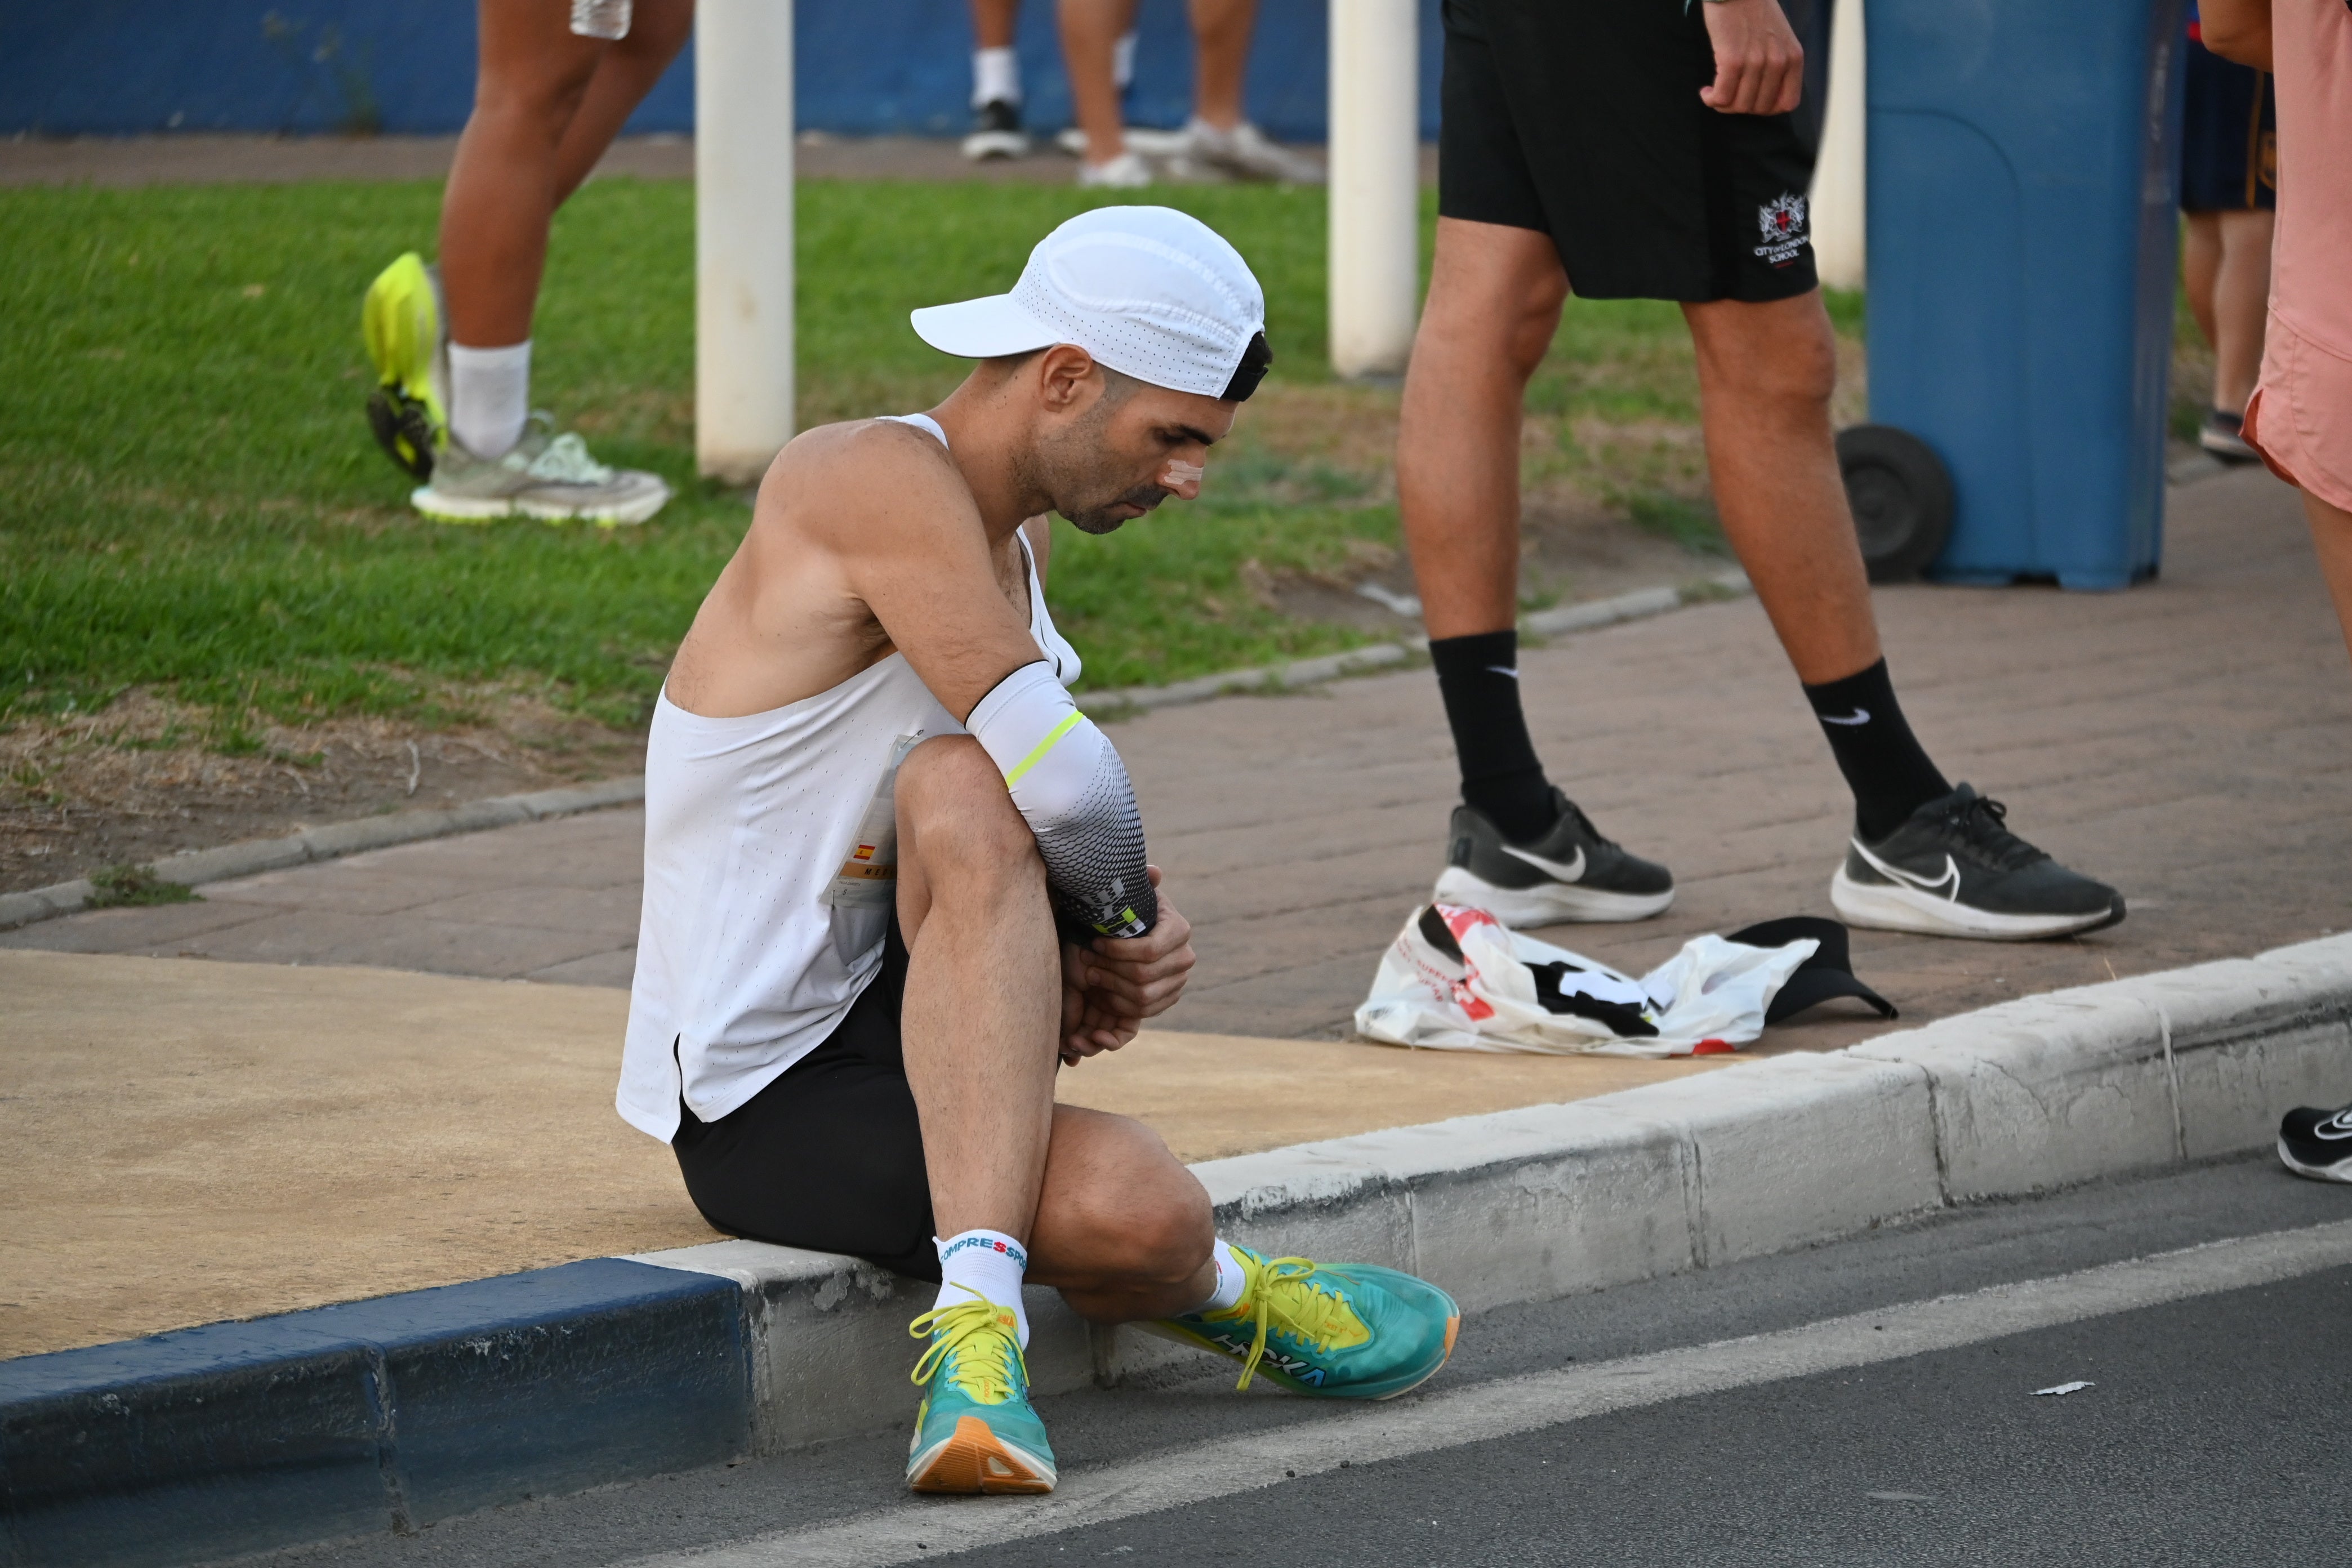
2336	1127
1571	872
1859	716
1502	669
1947	884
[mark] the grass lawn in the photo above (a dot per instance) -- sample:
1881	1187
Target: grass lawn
193	506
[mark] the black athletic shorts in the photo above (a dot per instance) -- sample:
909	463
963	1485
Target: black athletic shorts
2229	137
830	1156
1580	119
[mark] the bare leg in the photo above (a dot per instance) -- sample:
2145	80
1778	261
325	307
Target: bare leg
1109	1216
2331	536
1495	295
1090	32
2200	259
2241	295
631	65
1220	44
1765	375
503	187
993	23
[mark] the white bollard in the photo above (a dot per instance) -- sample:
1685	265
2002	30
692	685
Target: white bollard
743	235
1840	186
1375	190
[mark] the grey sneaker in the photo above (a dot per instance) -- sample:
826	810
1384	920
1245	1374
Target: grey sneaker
2224	435
1572	873
1954	868
546	476
1244	153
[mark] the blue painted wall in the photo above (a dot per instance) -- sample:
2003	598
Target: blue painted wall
116	67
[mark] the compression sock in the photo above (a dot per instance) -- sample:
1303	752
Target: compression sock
1883	762
489	397
995	76
987	1263
1478	676
1229	1281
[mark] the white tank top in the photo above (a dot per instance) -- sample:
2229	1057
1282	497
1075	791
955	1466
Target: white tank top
771	859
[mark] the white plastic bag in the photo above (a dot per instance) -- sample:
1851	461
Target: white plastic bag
1456	979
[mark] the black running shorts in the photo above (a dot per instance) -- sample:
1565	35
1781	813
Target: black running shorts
830	1156
1581	118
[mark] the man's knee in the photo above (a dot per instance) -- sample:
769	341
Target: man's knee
1783	351
952	803
1496	294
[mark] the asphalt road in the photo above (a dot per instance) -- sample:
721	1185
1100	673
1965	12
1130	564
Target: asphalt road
2215	1431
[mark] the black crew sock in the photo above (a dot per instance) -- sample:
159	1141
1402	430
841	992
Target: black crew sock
1881	759
1479	679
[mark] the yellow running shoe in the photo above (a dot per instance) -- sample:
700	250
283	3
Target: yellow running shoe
1344	1331
408	342
975	1431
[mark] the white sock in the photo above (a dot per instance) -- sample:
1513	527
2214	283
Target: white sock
995	76
987	1263
1122	62
489	397
1229	1281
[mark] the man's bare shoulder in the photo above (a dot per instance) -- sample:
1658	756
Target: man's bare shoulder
841	482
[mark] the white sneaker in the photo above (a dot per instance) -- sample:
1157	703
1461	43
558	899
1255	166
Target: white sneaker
546	476
1125	172
1141	139
1245	153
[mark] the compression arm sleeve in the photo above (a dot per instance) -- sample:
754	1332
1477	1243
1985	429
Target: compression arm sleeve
1070	785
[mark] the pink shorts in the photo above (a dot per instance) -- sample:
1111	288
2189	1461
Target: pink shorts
2300	419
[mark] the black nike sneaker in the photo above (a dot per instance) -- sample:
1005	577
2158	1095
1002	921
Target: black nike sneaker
1572	873
1954	868
2317	1143
997	132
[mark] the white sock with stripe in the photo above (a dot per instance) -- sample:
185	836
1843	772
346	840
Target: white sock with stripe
987	1263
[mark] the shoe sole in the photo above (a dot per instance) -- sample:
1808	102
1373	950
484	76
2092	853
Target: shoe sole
973	1461
1548	903
1888	907
469	509
2340	1171
982	145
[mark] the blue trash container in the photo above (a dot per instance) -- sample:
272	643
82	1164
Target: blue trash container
2024	162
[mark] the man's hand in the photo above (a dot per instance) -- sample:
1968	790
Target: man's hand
1759	67
1111	984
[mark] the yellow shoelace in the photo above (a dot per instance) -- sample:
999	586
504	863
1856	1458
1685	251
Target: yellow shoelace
988	1366
1282	1291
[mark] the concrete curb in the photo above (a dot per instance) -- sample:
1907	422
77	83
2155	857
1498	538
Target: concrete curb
392	1411
196	867
1590	616
255	856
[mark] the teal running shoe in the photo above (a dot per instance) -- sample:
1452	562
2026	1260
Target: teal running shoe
1342	1331
407	335
975	1432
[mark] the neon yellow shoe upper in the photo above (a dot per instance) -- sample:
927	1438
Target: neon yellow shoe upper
975	1431
1348	1331
405	328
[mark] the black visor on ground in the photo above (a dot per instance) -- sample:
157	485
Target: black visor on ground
1251	371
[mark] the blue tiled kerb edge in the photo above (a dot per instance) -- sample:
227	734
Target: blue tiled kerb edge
389	1412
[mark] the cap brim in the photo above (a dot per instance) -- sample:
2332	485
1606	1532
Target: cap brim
982	329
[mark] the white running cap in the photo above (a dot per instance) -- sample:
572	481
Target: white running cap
1150	291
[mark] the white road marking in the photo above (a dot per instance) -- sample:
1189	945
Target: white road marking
1360	1433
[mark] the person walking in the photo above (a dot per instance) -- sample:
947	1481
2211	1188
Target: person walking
2228	193
1651	152
1218	143
451	345
996	96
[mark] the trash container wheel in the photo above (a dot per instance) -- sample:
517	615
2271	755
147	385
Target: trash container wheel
1902	499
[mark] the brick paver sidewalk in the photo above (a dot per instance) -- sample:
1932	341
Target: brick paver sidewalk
2190	739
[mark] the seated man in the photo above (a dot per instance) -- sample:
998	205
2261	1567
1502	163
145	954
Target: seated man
894	877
